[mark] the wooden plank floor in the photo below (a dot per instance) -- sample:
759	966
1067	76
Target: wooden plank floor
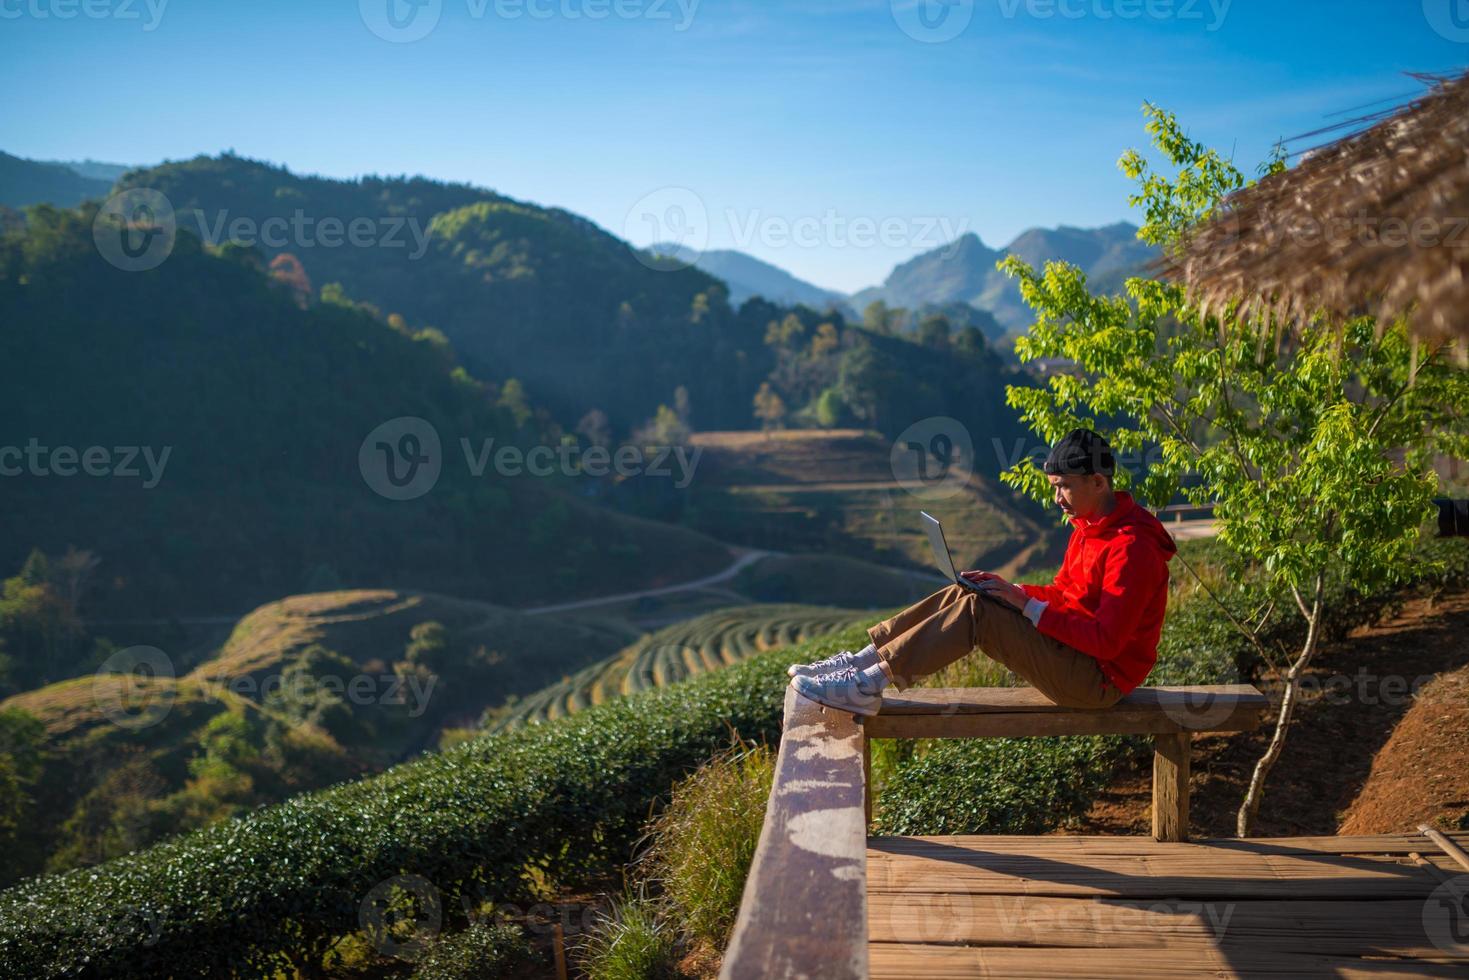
1132	907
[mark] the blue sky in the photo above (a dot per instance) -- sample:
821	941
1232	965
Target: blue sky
833	138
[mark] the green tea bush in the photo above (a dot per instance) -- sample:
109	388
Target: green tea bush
252	895
481	952
705	839
995	785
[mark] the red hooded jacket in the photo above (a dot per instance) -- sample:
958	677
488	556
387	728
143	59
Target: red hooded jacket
1109	598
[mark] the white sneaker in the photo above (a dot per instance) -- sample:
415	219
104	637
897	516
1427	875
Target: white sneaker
838	689
837	661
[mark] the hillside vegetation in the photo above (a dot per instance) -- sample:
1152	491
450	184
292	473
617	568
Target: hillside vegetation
262	408
306	692
560	803
835	493
539	294
676	653
26	182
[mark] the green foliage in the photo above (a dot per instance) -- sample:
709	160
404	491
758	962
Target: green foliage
481	952
1317	447
568	798
673	654
705	839
22	750
262	485
1008	786
631	942
536	293
42	636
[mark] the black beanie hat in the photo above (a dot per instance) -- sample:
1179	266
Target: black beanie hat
1080	451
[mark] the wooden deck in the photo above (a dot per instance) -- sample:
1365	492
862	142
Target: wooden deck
824	900
1132	907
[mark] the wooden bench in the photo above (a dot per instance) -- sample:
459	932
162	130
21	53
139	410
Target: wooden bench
1172	715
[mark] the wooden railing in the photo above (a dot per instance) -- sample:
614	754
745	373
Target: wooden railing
1178	510
804	909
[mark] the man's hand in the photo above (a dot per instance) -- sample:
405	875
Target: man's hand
993	585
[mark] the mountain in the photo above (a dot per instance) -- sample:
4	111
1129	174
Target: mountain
538	294
217	446
95	169
964	270
26	182
748	276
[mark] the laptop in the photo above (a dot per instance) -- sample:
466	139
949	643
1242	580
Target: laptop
944	559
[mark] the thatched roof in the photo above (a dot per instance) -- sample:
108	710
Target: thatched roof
1377	222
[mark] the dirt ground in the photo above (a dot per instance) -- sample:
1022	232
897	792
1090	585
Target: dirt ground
1364	755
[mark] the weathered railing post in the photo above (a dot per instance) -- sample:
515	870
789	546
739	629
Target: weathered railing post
804	910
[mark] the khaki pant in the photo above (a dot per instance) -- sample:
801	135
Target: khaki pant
937	631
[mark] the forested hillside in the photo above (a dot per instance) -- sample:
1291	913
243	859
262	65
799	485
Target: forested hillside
233	422
536	293
25	182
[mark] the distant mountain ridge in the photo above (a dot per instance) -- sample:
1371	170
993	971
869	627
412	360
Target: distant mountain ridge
95	169
748	276
963	271
25	182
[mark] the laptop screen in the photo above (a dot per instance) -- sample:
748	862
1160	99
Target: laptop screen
940	546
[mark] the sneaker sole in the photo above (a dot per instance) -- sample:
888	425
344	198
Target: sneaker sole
866	711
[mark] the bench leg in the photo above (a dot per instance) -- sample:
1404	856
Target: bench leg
866	778
1170	786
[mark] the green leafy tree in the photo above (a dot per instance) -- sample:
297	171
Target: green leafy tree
22	750
1316	445
830	408
770	408
515	401
428	646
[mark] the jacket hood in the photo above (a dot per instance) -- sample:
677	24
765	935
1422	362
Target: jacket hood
1128	517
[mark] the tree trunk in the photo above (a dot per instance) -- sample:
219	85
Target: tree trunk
1249	809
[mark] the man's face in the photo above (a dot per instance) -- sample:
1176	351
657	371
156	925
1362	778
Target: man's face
1080	495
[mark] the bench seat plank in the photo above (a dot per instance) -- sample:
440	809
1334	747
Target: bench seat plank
983	712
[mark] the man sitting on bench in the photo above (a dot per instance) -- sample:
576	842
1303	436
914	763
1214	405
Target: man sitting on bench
1084	641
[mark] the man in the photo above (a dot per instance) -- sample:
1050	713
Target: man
1083	641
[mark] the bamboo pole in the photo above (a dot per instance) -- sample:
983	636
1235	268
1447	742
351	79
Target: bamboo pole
1444	844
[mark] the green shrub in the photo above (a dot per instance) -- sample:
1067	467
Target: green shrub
481	952
705	838
255	894
633	941
995	785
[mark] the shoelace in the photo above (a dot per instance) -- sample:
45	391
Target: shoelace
835	661
845	675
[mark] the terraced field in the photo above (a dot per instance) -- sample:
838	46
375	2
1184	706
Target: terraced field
834	493
695	646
